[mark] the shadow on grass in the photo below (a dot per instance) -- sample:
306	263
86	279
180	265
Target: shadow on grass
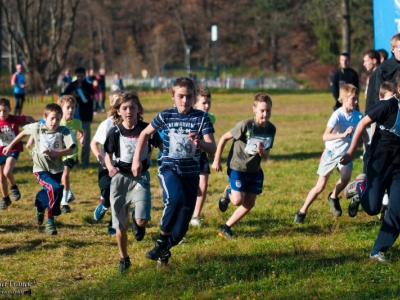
215	274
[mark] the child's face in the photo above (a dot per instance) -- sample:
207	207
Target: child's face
68	110
203	103
4	112
128	111
350	102
184	99
263	112
52	120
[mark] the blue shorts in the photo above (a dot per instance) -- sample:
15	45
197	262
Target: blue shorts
246	182
3	158
204	163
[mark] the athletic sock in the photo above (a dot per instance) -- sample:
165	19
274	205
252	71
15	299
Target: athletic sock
64	200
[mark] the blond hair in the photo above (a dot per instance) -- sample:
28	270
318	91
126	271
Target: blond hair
346	91
66	99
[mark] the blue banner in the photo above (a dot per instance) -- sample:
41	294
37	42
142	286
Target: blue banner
386	22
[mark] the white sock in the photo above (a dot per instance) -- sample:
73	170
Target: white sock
64	200
385	200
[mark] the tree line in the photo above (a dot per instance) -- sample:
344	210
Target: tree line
260	37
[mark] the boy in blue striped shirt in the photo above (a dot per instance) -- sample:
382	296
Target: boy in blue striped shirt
187	131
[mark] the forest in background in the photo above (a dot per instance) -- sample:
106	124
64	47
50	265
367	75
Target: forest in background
299	38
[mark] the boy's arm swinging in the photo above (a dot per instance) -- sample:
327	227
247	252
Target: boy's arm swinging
360	132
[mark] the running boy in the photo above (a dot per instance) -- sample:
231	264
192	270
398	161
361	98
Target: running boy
187	131
97	146
252	140
383	172
51	143
386	92
337	136
125	188
203	102
9	128
68	105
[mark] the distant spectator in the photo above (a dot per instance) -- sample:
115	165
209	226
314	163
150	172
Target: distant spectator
102	87
19	84
66	79
384	54
90	77
372	60
117	84
84	94
343	75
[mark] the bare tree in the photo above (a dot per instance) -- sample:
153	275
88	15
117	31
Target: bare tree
42	32
345	26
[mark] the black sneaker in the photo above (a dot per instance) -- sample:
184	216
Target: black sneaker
224	201
353	206
65	209
159	251
226	233
335	205
5	202
50	229
138	232
15	193
124	265
39	217
299	217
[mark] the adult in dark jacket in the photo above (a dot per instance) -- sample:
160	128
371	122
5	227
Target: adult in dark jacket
84	93
372	59
342	76
388	70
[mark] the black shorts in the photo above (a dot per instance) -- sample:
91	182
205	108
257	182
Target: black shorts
204	164
69	162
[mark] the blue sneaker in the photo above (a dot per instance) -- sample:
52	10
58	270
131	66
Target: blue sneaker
100	211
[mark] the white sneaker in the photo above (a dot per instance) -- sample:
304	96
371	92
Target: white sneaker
379	257
196	221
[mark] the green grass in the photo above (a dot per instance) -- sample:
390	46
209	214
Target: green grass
325	258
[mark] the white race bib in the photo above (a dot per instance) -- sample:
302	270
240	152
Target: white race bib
181	146
251	147
50	141
127	149
6	136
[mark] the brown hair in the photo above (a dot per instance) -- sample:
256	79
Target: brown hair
126	97
202	92
183	82
260	97
52	107
385	87
5	102
346	91
66	99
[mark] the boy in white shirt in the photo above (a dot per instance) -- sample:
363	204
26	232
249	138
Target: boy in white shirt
337	137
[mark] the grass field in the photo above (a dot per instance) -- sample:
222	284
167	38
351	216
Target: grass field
325	258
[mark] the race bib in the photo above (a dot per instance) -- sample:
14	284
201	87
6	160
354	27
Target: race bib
50	141
181	146
127	149
7	135
251	147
